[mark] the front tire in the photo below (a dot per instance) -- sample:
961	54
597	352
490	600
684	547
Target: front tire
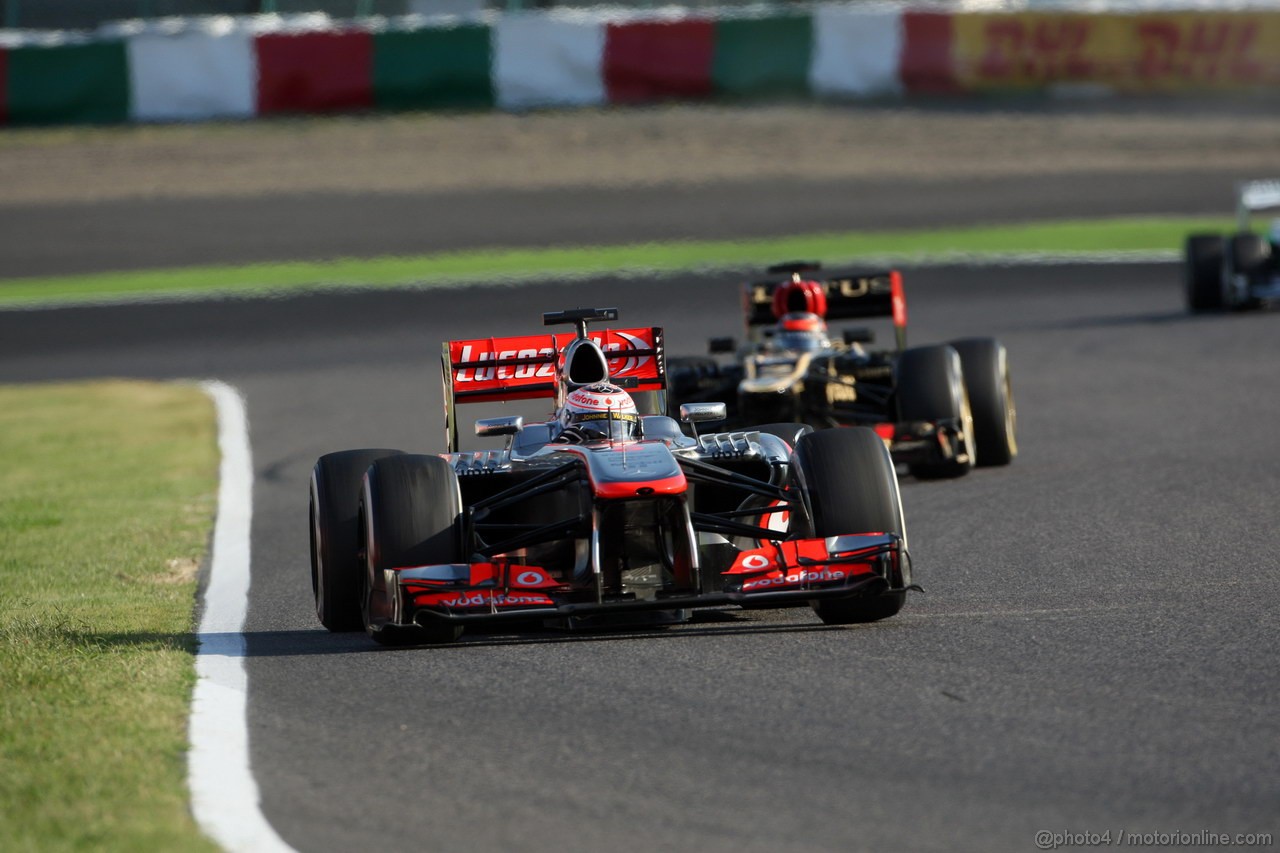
1203	272
931	388
335	561
410	511
985	364
850	486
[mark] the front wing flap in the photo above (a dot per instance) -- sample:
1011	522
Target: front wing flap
779	574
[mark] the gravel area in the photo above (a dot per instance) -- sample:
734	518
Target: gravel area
620	148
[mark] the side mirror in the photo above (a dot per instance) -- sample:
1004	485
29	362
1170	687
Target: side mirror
860	335
721	345
507	425
701	413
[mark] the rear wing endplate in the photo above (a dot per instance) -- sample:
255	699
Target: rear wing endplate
851	294
498	370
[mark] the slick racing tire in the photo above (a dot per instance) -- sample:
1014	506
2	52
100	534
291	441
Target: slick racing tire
1202	272
985	365
697	379
931	388
410	509
1248	255
335	562
688	375
850	486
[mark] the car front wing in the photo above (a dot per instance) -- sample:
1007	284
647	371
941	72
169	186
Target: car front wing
788	573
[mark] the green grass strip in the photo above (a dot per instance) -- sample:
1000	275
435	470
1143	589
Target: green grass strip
107	497
514	265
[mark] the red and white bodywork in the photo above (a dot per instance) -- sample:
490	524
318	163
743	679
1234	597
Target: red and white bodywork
575	532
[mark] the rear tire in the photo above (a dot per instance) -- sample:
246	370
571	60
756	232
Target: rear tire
1203	272
931	388
410	511
850	486
335	560
985	364
697	379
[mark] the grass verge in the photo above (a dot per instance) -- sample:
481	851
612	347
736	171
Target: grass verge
107	495
514	265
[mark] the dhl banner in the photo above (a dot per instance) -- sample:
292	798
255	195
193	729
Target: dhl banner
1155	52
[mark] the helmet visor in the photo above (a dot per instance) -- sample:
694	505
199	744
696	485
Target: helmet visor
798	341
615	426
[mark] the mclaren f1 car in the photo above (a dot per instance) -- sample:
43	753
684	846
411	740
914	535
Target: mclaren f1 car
942	409
620	517
1238	271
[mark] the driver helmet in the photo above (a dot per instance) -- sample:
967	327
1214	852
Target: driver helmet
800	331
799	307
602	411
799	296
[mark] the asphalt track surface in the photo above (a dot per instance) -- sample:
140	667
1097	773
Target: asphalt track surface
1095	650
68	239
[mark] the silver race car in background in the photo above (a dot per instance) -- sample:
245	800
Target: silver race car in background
1239	271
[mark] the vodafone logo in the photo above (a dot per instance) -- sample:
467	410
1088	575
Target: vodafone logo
756	561
531	579
479	599
795	577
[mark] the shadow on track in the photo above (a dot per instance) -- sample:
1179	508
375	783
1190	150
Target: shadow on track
1079	323
320	642
1160	319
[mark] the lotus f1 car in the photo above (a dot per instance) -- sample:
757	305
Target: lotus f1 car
577	533
1240	271
941	409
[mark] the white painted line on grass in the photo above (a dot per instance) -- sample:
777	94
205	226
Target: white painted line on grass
224	795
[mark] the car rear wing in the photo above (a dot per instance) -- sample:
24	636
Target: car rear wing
851	294
1255	196
498	370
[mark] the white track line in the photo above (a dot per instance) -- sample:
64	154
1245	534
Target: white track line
224	795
